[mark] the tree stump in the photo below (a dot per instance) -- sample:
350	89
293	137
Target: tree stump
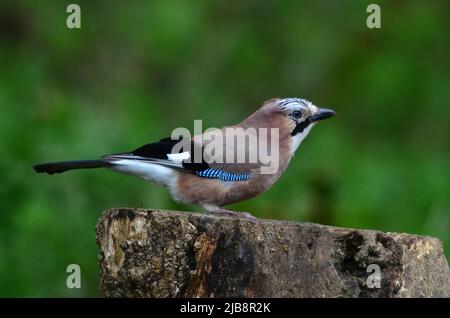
155	253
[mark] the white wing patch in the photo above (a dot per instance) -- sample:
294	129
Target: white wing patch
179	157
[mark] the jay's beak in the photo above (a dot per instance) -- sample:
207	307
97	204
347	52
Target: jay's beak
323	113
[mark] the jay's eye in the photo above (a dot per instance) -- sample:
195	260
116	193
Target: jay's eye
297	114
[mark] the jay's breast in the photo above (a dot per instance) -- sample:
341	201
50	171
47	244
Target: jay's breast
197	190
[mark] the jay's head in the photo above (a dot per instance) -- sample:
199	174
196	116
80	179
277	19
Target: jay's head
301	114
294	116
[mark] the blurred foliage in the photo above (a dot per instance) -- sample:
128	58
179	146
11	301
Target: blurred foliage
136	70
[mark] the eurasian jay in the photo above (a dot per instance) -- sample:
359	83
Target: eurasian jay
220	166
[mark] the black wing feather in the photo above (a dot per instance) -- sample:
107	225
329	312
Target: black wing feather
158	151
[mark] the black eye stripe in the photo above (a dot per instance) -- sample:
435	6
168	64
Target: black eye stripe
300	127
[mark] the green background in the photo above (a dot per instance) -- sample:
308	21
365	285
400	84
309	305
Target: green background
136	70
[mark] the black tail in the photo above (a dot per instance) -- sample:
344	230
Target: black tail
58	167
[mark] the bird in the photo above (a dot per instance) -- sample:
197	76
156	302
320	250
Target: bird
196	176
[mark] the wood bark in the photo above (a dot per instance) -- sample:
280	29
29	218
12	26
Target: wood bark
155	253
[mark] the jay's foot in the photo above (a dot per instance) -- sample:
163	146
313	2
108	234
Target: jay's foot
233	214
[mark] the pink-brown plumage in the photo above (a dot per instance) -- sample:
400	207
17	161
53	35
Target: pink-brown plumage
286	121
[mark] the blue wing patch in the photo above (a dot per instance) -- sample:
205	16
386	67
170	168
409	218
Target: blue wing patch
223	175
